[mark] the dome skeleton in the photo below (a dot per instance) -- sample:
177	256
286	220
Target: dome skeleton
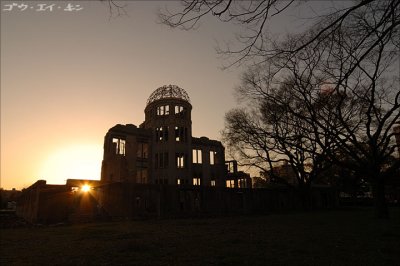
168	92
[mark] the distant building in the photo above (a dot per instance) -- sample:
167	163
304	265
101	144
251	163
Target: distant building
162	149
235	178
284	174
8	198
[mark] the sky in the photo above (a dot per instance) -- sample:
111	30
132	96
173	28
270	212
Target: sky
69	76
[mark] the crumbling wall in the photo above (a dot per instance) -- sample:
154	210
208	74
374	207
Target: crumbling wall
42	203
144	200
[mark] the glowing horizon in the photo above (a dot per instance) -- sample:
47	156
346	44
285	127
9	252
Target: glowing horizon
72	162
67	77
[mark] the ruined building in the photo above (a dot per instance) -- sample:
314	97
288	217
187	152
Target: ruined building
162	149
158	170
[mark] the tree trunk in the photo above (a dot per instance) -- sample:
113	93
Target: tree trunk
305	196
378	191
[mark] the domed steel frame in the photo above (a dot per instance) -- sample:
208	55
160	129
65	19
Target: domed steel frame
168	92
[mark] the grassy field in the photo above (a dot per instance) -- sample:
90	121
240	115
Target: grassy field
341	237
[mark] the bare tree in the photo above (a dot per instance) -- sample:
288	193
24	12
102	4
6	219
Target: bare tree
257	44
276	125
357	114
267	135
351	52
115	8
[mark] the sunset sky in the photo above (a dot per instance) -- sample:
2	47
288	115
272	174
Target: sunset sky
68	76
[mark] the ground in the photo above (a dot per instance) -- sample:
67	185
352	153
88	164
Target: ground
341	237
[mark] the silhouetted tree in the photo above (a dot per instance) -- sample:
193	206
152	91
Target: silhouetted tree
351	53
276	126
266	134
256	43
116	8
354	113
346	180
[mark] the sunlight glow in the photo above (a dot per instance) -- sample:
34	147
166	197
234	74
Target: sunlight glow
72	162
85	188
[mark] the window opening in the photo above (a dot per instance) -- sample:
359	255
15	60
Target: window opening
119	145
178	109
180	134
230	183
242	183
143	150
196	181
163	110
197	156
212	157
161	134
141	175
161	160
180	160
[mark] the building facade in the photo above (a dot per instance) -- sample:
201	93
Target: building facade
162	149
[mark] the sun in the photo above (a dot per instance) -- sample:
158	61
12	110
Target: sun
72	162
85	188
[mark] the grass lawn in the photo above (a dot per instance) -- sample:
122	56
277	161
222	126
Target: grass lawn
340	237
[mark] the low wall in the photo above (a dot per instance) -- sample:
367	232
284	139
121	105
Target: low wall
139	201
47	204
42	203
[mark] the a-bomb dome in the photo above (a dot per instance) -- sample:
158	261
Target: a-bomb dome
168	92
